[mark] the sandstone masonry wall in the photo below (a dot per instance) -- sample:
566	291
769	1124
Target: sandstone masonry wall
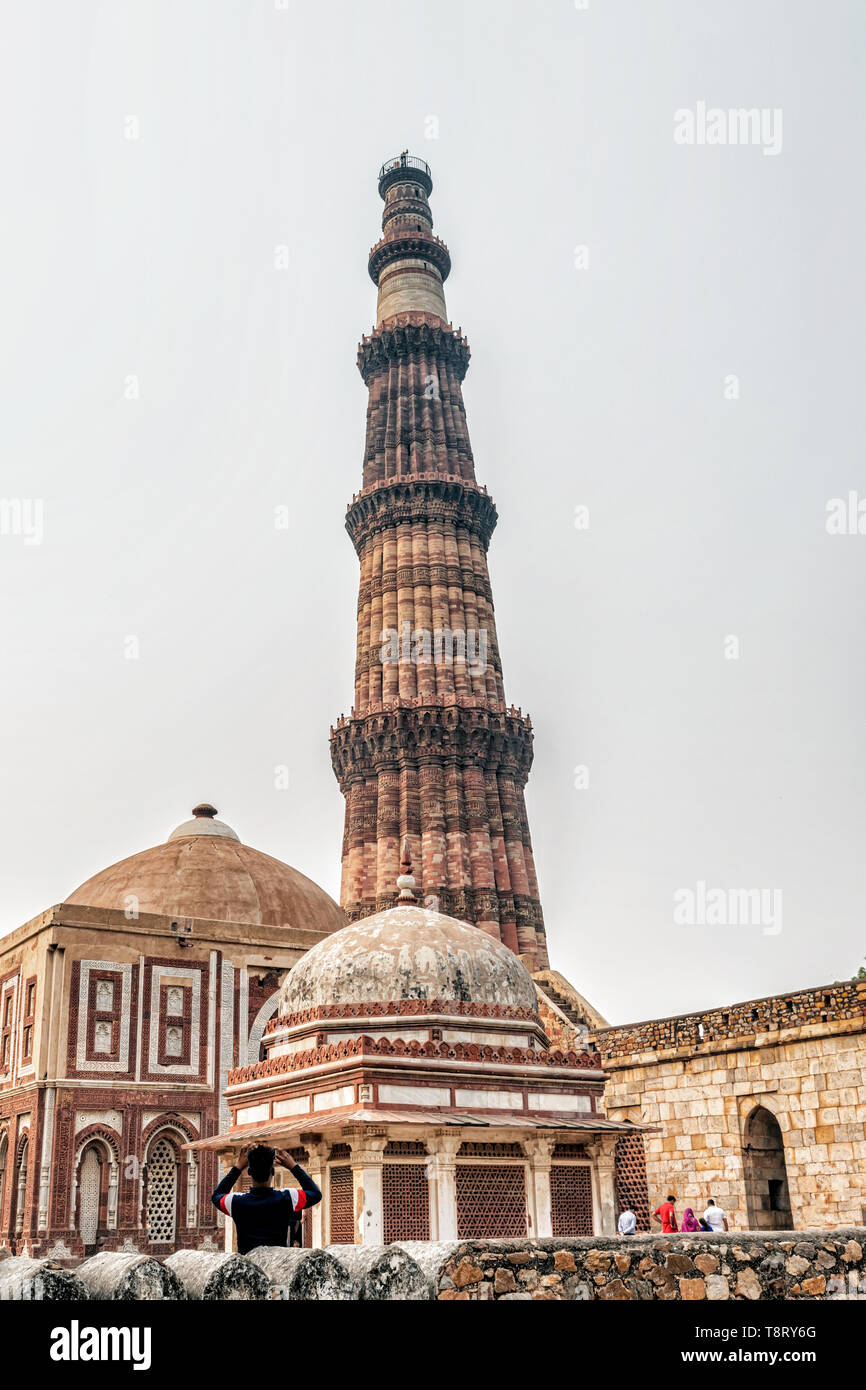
702	1078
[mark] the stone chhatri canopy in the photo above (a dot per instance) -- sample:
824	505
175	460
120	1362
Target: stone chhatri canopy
416	1038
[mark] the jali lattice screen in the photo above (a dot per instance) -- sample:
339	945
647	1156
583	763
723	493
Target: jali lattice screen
406	1202
491	1200
571	1199
342	1225
631	1183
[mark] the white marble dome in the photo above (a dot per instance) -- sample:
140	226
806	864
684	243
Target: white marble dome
408	952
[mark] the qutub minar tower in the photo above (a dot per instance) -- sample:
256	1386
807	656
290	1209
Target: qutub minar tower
431	753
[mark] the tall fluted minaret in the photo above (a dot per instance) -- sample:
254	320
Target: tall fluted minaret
431	752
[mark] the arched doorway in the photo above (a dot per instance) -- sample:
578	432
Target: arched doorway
89	1187
162	1193
767	1197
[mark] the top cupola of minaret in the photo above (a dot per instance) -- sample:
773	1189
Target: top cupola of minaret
409	265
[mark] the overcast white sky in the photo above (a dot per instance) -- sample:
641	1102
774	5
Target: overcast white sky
603	387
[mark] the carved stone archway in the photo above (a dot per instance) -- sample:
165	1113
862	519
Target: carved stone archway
89	1193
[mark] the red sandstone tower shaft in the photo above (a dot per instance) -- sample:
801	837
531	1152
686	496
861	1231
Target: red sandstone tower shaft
431	751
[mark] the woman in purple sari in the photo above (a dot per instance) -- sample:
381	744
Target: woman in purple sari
690	1221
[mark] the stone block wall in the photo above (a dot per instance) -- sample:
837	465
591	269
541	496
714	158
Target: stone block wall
703	1080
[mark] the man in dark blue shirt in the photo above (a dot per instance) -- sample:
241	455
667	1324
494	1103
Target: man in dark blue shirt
265	1214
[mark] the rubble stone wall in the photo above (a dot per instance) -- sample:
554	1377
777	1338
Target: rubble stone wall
736	1265
845	999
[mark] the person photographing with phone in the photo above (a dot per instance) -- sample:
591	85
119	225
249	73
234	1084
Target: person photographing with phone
265	1215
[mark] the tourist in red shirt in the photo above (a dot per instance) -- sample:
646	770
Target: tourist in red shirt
667	1215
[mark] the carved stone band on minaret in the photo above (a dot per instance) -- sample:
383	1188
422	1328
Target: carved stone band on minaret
431	757
412	333
421	497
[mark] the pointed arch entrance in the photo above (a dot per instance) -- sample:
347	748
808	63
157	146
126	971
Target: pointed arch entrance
767	1197
162	1192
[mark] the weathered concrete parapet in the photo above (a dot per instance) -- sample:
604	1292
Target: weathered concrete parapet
304	1275
737	1265
382	1274
734	1265
129	1278
219	1277
429	1256
41	1280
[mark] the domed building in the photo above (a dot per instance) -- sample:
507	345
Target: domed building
202	870
409	1068
122	1012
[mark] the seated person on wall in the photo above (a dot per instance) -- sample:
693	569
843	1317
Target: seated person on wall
264	1215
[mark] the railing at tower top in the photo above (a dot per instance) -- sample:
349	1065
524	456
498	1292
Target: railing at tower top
404	161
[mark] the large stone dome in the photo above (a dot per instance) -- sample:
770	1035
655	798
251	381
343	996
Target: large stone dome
204	871
408	952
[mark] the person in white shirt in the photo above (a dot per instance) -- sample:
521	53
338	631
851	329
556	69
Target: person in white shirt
715	1217
627	1222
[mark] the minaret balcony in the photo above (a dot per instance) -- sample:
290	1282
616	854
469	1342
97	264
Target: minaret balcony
405	167
414	245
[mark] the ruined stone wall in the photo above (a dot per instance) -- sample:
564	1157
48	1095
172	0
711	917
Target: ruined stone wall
845	1000
706	1082
691	1268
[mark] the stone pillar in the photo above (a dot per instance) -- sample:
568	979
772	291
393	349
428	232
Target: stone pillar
113	1173
540	1150
431	1168
366	1160
21	1190
191	1190
442	1178
229	1233
50	1094
602	1152
317	1160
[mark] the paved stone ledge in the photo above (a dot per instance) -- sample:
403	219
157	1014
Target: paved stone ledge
738	1265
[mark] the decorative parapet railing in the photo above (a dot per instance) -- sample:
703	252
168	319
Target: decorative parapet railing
446	701
373	1048
410	1008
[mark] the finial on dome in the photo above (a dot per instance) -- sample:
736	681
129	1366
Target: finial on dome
406	881
205	811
